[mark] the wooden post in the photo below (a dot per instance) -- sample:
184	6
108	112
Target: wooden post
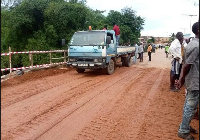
50	57
31	58
10	61
64	56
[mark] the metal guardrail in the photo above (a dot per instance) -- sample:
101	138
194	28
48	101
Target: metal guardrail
31	59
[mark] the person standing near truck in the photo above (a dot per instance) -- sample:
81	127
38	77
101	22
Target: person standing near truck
141	51
136	52
117	32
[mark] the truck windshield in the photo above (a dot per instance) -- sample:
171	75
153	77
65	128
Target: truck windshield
88	38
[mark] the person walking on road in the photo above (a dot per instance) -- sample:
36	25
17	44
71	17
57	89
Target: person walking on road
175	51
149	51
167	50
117	32
190	76
141	51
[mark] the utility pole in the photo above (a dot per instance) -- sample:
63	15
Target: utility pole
196	4
190	19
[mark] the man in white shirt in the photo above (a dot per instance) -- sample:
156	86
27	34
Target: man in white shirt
175	51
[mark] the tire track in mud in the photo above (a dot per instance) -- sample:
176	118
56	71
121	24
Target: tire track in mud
85	113
117	78
115	121
33	87
39	111
165	116
29	123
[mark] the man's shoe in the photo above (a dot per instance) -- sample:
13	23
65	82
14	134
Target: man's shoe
185	136
192	130
196	116
174	89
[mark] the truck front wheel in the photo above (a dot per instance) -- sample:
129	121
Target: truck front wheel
80	70
110	68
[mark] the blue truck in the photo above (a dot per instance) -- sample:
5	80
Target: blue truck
97	49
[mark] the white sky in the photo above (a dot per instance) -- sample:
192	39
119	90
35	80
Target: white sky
162	17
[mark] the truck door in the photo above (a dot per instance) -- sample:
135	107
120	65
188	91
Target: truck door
111	49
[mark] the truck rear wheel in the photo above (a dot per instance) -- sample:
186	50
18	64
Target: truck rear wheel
127	61
80	70
110	68
123	60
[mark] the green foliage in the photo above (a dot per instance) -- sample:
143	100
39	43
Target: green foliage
130	24
30	25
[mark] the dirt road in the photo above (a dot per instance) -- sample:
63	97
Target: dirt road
60	104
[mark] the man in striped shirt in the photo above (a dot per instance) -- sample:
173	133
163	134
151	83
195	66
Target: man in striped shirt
190	76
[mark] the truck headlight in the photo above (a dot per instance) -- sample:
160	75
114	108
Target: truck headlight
98	60
95	60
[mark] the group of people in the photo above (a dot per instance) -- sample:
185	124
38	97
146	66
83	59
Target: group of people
140	50
185	70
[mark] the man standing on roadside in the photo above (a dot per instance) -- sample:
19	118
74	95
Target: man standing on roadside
175	50
190	76
117	32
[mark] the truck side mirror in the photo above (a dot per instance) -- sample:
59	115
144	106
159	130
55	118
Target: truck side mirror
63	42
108	40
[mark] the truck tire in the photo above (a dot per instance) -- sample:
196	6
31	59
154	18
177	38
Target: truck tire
80	70
127	61
123	60
110	68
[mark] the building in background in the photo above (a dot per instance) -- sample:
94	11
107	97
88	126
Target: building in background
158	40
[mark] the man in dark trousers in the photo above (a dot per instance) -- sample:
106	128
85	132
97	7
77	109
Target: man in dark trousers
190	76
149	51
175	50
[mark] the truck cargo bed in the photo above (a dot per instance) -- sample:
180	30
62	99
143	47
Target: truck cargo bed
125	49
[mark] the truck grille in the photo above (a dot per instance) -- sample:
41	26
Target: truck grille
85	59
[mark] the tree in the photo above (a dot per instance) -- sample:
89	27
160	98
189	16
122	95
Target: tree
40	25
130	24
